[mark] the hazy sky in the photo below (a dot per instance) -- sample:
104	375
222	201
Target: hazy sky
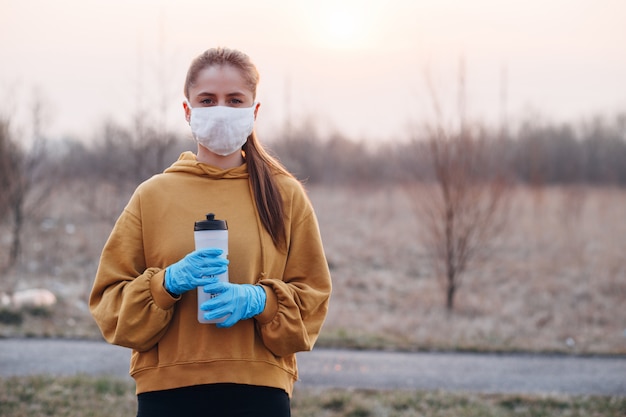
357	66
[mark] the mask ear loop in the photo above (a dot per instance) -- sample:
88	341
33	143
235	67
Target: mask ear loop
188	117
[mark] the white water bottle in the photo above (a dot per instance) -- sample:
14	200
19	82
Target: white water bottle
211	233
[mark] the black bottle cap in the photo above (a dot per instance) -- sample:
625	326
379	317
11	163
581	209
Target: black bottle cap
210	224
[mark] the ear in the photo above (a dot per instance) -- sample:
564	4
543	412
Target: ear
256	109
187	111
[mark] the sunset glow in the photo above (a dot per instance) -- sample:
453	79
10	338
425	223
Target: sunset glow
356	67
343	29
340	25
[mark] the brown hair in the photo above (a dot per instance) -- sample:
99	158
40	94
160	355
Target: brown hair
261	165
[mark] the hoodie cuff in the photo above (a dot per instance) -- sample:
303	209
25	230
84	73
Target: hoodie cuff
271	306
163	299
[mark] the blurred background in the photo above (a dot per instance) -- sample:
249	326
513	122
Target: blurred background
488	137
352	67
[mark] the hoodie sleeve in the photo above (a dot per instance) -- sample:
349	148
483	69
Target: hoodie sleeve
128	300
297	303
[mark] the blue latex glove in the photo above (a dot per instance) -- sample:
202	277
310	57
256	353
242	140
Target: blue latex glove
194	270
241	301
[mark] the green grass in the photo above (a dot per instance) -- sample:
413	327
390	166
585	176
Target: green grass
90	396
367	403
76	396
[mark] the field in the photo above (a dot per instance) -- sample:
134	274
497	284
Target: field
82	396
555	281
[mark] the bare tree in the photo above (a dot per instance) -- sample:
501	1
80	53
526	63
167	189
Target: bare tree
150	137
10	161
465	208
6	156
26	179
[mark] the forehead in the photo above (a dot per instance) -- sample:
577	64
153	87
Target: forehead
220	79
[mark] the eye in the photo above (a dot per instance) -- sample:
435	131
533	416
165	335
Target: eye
235	101
207	102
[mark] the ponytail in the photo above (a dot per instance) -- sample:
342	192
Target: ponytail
262	168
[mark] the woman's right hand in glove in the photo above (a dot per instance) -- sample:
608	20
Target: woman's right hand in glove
193	270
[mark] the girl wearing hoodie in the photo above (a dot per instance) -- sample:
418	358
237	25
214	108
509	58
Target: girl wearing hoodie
276	300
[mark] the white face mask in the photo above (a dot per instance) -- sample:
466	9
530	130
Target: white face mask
221	129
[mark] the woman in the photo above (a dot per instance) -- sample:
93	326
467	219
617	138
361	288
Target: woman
144	294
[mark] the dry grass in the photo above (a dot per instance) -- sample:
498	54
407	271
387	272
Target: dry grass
105	396
555	282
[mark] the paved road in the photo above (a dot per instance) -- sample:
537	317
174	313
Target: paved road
534	374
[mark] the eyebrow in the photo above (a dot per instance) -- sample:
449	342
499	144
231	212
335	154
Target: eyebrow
207	94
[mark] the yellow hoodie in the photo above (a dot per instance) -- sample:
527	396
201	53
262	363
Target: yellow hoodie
170	348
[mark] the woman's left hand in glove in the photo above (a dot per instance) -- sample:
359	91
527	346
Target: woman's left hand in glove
233	301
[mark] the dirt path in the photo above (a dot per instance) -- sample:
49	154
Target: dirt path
538	374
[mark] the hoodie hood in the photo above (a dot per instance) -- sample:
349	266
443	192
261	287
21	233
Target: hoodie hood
188	163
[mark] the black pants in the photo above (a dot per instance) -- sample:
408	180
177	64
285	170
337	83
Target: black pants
215	400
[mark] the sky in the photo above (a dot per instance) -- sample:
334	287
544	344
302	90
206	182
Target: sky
365	69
